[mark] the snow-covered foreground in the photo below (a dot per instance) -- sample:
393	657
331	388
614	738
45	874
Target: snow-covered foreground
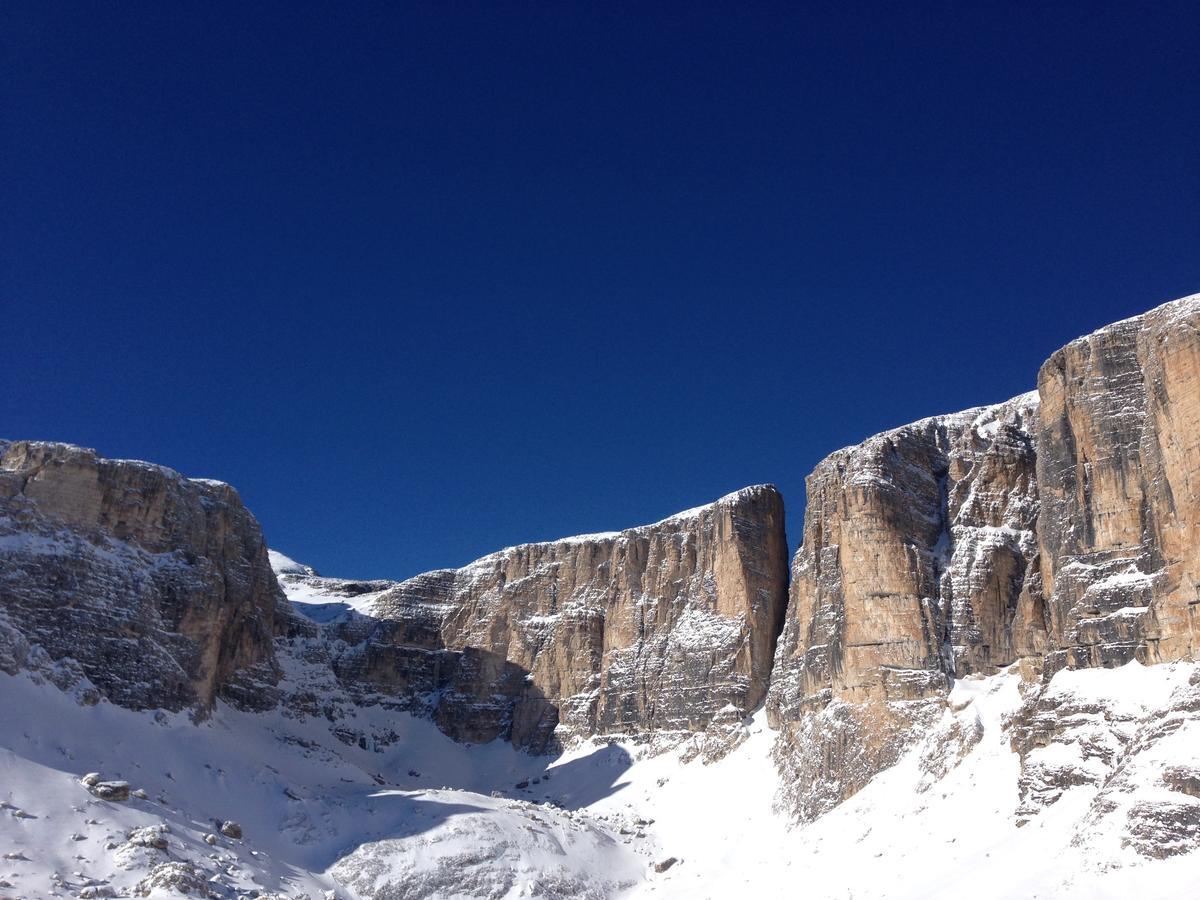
319	814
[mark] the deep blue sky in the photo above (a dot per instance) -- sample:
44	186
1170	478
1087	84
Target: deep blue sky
424	281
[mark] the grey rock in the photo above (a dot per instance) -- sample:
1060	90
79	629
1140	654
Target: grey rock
231	830
111	790
151	587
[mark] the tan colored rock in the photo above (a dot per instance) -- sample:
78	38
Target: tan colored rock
916	545
653	628
1055	532
916	548
1119	472
154	586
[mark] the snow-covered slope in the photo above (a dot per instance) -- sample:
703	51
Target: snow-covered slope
383	805
324	599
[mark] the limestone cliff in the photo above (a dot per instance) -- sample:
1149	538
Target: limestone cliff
156	591
154	587
660	628
1119	473
915	551
1058	530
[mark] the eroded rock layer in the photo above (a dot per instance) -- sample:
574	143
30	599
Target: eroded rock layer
1119	473
660	628
153	586
916	548
1058	530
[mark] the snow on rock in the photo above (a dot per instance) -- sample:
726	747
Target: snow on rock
127	580
282	564
417	815
323	599
173	878
1129	739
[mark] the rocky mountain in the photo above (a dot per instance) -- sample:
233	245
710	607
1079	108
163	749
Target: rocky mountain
1119	476
1052	531
158	590
153	587
663	628
916	547
998	603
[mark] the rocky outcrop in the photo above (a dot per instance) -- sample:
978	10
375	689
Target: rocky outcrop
916	548
1119	476
154	587
666	627
1131	736
1057	530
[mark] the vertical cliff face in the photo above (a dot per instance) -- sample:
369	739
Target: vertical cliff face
153	586
916	545
915	553
1058	529
1119	470
660	628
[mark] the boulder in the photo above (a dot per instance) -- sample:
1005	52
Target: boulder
111	790
177	877
231	830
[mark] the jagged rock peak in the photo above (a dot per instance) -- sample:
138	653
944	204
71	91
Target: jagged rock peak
153	587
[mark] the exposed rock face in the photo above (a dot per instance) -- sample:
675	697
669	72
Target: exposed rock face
660	628
154	586
1119	473
1135	737
916	548
916	545
1056	530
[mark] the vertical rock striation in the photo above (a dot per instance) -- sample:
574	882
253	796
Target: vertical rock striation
1119	470
916	547
154	587
666	627
1058	529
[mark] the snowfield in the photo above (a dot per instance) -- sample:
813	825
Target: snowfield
429	818
367	802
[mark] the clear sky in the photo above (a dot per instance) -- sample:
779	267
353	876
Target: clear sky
423	281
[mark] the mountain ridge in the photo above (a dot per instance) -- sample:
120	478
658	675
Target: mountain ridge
1014	544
